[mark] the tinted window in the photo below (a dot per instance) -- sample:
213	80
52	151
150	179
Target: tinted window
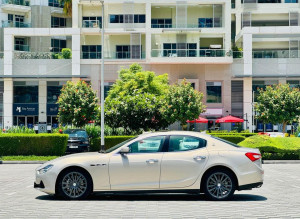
148	145
76	133
185	143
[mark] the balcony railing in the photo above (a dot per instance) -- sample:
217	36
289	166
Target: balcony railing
37	55
269	54
237	54
189	53
91	24
22	48
111	55
16	2
91	55
206	23
15	24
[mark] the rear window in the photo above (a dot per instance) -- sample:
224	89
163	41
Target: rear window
227	142
76	133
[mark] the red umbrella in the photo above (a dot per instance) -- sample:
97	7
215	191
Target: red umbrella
228	119
199	120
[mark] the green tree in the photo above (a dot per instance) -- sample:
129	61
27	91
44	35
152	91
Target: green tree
67	6
183	103
78	104
278	104
135	100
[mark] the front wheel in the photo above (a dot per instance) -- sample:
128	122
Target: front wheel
219	185
74	184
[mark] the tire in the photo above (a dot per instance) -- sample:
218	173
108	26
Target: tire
219	185
74	184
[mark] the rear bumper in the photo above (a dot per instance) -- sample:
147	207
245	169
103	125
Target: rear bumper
250	186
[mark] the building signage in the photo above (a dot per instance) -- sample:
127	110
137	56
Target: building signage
25	109
213	112
52	109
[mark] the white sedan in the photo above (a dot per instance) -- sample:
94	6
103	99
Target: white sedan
177	161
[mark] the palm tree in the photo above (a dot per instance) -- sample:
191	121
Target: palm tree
67	6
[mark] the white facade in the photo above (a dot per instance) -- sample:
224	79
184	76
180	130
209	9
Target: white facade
187	39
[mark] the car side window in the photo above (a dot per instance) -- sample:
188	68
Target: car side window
148	145
185	143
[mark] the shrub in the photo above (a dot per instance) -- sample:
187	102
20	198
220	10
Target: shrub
273	148
33	144
110	141
66	53
246	135
18	129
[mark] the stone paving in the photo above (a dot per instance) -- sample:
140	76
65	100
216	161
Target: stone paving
279	197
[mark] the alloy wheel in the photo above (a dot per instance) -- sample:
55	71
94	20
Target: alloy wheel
74	184
219	185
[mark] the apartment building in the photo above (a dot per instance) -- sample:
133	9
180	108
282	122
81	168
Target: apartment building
190	40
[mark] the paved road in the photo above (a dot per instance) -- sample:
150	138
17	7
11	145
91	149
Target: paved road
278	198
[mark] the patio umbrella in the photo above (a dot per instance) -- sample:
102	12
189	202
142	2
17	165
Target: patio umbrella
228	119
199	120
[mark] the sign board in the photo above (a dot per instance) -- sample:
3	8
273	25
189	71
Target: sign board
25	109
42	128
52	109
213	112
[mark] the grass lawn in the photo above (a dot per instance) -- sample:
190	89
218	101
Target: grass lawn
27	158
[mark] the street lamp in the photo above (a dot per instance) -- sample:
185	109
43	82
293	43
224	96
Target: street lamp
102	79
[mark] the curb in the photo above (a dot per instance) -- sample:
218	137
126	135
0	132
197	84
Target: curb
22	162
281	162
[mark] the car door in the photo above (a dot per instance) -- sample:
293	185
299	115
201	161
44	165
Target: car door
140	168
183	162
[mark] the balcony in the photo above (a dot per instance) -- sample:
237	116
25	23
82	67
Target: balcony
113	55
16	5
15	24
91	24
202	23
191	56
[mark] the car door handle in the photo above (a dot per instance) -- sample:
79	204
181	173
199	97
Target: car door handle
198	158
151	161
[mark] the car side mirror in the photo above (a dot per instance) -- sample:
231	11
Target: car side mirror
124	150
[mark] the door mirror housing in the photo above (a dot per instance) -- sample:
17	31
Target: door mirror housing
124	150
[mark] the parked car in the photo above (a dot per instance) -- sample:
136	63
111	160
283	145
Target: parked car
78	141
170	162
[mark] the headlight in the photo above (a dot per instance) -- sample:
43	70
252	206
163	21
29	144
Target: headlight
85	142
44	169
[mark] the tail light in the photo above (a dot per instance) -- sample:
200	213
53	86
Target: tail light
253	156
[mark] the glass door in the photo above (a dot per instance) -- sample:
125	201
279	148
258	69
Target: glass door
29	121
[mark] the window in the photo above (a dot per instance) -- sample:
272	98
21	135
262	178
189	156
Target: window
57	45
205	22
294	84
123	52
172	49
55	3
25	93
58	22
213	92
53	91
185	143
107	87
161	23
10	17
20	44
148	145
91	51
90	22
119	18
291	1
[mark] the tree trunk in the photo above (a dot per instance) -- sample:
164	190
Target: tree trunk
284	126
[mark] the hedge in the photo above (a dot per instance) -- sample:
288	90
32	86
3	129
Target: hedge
33	144
110	141
232	138
277	148
235	134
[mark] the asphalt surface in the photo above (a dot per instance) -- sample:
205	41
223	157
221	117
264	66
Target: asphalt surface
279	197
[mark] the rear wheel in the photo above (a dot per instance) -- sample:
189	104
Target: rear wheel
74	184
219	185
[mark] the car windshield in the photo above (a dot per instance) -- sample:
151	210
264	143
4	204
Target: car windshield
228	142
118	145
76	133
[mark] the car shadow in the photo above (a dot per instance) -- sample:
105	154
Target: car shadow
155	197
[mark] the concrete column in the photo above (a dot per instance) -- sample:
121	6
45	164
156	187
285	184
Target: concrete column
247	46
238	22
248	103
8	103
42	101
75	16
148	30
227	25
76	54
8	52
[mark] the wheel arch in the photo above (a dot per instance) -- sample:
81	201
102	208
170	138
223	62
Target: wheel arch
72	168
217	167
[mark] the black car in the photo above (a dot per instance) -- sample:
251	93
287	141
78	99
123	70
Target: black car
78	141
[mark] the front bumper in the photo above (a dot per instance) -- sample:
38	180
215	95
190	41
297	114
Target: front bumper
45	182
